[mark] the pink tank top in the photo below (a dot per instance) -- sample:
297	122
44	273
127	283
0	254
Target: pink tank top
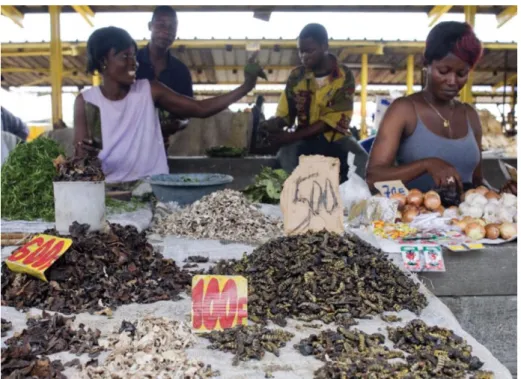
132	141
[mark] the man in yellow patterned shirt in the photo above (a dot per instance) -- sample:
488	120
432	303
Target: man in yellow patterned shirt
319	98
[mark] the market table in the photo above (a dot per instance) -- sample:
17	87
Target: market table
479	287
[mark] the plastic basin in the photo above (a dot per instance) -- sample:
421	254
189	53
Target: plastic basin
187	188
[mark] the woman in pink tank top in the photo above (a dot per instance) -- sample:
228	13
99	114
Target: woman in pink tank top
122	109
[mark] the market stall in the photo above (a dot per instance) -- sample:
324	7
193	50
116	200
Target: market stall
318	302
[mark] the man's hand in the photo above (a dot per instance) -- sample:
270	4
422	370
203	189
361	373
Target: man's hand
281	138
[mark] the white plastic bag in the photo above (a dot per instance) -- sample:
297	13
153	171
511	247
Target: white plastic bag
355	189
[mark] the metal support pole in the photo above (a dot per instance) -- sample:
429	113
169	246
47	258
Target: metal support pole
470	18
363	96
96	79
56	63
410	74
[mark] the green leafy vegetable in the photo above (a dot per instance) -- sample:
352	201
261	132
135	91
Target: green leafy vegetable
27	177
267	186
226	152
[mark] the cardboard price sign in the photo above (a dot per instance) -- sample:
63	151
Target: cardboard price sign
38	255
219	302
391	187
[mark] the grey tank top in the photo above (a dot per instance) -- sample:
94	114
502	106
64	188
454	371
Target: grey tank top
462	153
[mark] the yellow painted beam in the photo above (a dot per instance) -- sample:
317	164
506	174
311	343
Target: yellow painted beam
437	12
264	43
410	74
343	55
352	66
56	63
36	53
510	80
505	16
13	14
85	12
470	18
364	73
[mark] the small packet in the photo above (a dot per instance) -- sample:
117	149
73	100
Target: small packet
433	259
411	258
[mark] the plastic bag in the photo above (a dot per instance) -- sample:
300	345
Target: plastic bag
355	189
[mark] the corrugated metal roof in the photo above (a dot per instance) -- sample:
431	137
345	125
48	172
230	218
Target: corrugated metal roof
491	9
222	65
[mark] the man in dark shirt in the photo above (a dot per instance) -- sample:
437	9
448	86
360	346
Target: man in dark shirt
156	62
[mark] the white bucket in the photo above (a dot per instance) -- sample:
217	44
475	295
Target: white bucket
83	202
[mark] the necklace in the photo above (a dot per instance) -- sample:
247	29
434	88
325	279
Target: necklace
446	121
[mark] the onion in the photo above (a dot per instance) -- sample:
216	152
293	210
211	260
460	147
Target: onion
480	221
475	231
432	200
508	230
492	195
415	197
459	223
482	190
468	193
410	214
492	231
401	198
440	210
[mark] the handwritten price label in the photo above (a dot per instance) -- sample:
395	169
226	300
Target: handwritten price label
38	255
219	302
391	187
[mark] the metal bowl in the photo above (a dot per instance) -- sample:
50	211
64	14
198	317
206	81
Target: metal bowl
187	188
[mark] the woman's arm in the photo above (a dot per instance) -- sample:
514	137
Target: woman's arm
475	124
80	125
381	167
184	106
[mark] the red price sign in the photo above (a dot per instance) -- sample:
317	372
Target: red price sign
219	302
38	255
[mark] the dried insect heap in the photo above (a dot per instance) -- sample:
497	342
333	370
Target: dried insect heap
85	169
19	362
434	350
345	345
100	270
6	326
390	318
322	276
150	348
248	342
49	334
365	368
223	215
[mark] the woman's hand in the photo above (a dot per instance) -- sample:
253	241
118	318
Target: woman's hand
510	187
252	71
443	173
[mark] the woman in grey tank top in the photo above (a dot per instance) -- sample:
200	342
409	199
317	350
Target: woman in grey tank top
429	139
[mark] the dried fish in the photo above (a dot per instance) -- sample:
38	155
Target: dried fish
6	326
221	215
149	348
51	334
322	276
74	169
248	342
100	270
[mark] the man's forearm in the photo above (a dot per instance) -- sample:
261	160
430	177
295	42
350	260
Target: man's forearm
317	128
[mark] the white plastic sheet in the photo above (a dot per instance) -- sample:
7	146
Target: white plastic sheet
140	218
290	364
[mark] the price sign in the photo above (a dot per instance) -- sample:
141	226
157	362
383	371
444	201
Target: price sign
391	187
219	302
38	255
